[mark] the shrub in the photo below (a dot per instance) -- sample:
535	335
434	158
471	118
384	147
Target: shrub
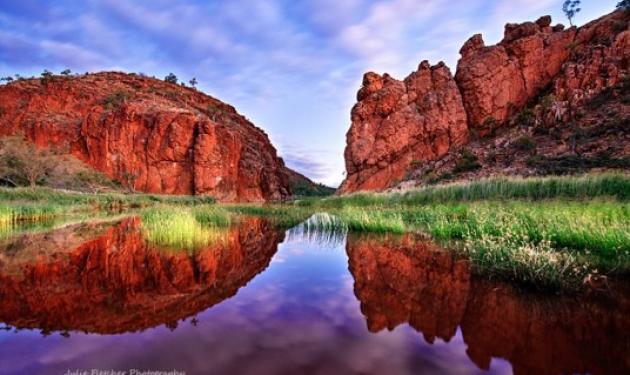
567	164
525	118
46	77
23	163
171	78
524	144
489	123
116	99
467	162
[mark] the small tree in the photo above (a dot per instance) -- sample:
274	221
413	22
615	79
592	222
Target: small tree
46	77
171	78
66	72
129	179
570	9
624	4
21	162
193	81
6	79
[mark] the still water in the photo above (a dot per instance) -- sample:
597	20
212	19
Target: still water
262	301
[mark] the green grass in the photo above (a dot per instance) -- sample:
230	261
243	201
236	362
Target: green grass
185	228
31	204
614	185
546	232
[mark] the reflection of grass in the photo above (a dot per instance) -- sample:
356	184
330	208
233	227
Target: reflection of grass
185	228
10	214
281	216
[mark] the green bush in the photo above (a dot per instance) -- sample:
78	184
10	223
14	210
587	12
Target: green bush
524	144
467	162
116	99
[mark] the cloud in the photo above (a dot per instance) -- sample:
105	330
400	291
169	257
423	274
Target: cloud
292	67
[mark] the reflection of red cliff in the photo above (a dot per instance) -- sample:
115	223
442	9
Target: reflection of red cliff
117	283
408	281
174	140
547	335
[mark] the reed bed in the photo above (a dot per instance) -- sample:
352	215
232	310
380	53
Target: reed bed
185	228
611	185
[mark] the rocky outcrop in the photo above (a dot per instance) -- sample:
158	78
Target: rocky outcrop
497	81
410	281
538	74
106	278
151	135
398	123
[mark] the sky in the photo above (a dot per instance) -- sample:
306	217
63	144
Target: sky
292	67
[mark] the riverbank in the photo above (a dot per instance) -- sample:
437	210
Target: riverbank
549	233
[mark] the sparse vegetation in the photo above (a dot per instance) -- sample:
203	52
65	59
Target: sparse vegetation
46	77
570	8
524	143
114	100
570	164
171	78
22	163
467	162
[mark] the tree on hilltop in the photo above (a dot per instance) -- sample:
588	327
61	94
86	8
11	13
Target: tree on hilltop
171	78
570	9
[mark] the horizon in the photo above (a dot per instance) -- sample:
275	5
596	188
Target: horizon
278	63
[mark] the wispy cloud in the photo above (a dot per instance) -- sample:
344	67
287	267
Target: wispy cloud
291	67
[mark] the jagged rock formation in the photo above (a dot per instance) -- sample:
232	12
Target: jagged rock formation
396	123
538	77
409	281
152	135
106	278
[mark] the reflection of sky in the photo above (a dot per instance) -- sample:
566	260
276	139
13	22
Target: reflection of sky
298	316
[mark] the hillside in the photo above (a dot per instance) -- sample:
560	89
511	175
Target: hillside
150	135
544	100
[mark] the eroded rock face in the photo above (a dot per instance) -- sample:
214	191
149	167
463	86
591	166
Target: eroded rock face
107	279
399	128
398	123
154	136
497	81
410	281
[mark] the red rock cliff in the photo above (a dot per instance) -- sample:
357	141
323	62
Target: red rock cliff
396	123
400	126
156	136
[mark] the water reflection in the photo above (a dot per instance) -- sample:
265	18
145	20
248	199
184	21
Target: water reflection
408	280
323	229
306	313
106	278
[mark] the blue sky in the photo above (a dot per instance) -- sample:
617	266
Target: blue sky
292	67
